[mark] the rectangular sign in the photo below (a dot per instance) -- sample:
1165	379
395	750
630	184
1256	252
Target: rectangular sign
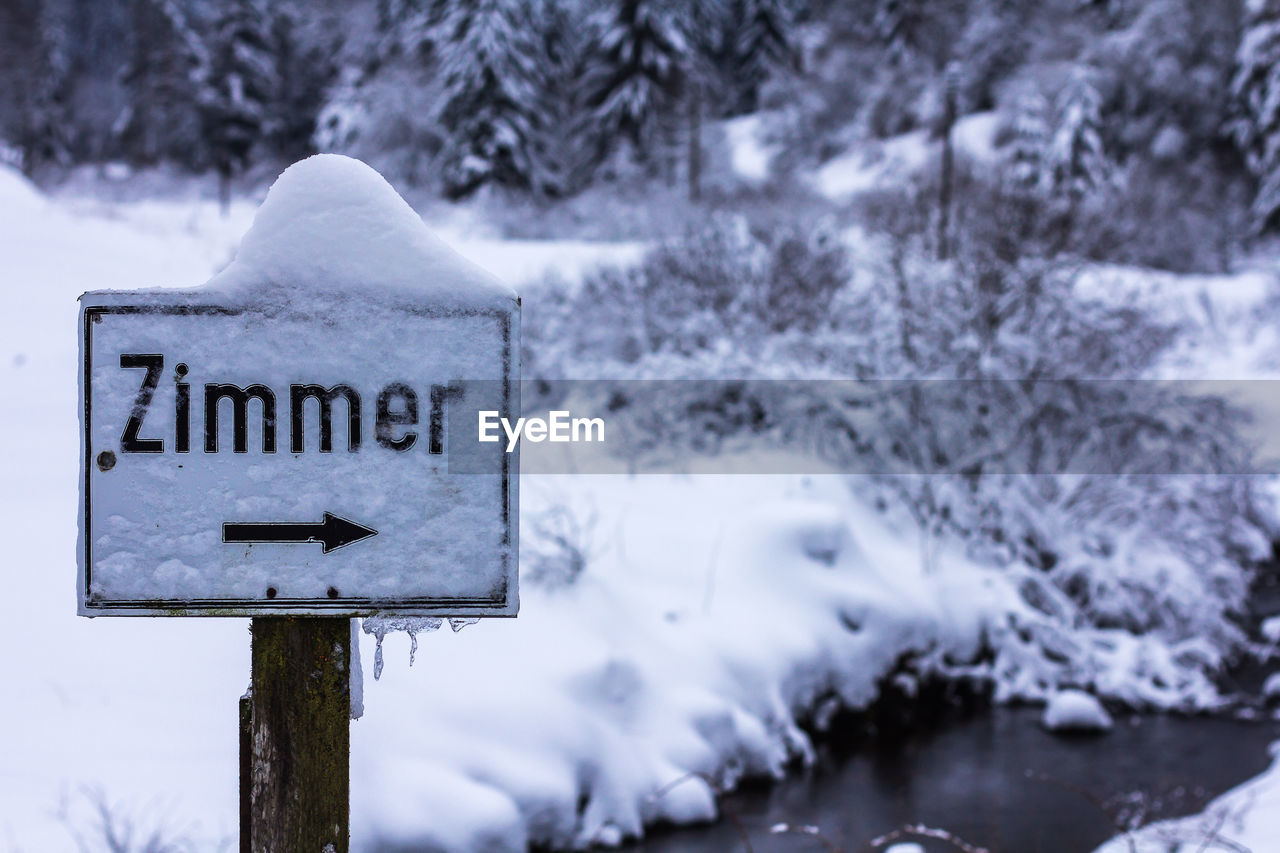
247	461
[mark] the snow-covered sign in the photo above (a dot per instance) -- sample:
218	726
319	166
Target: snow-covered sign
280	441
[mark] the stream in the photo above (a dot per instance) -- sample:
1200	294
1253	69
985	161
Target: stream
995	779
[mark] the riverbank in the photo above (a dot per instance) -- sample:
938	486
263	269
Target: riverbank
997	779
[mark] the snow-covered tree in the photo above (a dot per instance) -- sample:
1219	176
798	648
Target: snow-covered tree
488	68
636	73
414	27
896	23
763	43
562	49
1256	90
925	29
1028	147
32	84
162	83
1078	162
241	88
304	72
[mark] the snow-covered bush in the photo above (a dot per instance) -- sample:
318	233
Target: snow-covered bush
1183	216
687	298
1017	425
556	546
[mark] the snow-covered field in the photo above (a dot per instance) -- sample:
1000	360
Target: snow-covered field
713	613
135	713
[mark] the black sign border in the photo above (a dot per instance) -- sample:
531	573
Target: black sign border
343	605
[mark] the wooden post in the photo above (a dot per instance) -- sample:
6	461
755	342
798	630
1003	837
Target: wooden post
300	702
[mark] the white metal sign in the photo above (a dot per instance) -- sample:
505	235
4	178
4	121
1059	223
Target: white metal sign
252	460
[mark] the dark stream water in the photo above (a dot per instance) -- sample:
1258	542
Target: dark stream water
998	780
974	777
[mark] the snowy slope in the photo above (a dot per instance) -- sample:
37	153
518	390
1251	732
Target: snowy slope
887	163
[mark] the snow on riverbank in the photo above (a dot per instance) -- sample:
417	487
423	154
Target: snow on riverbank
1075	711
717	611
1246	818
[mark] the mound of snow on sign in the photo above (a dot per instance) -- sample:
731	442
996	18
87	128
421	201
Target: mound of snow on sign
714	616
332	225
1075	711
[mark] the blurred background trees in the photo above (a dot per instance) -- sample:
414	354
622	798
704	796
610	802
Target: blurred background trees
548	97
1109	108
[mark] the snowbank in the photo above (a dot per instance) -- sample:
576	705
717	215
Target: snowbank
18	193
1075	711
887	164
716	614
1244	818
749	155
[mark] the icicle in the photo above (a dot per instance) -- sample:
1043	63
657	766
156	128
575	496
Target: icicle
380	626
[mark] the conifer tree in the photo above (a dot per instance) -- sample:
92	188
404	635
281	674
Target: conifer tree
641	60
304	73
489	104
242	85
1078	160
1028	152
162	81
562	48
746	42
764	42
33	80
1255	88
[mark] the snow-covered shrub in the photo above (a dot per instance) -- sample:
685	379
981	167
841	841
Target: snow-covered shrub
96	822
556	545
386	119
1017	426
1183	216
725	282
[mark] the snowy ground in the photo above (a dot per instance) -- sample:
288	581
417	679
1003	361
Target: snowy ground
886	164
714	610
139	713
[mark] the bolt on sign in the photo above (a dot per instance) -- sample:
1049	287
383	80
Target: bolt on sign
239	461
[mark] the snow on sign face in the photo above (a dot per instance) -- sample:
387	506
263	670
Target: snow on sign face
279	441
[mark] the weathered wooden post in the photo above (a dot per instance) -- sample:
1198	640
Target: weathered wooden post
301	741
233	434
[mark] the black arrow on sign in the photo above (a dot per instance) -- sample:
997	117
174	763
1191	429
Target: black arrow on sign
332	533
